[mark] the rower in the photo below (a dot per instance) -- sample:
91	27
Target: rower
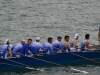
26	49
73	43
36	46
57	45
17	47
85	43
6	50
66	46
48	47
99	36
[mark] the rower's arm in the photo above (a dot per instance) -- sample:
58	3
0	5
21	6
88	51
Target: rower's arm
42	47
99	36
67	46
75	44
87	44
10	52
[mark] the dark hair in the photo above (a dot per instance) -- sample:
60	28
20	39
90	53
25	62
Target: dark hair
49	38
29	39
87	36
66	37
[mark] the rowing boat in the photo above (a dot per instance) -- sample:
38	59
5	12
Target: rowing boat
69	58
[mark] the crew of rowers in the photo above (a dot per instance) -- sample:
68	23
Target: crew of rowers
33	48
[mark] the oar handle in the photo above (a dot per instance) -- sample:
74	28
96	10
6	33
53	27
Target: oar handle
93	44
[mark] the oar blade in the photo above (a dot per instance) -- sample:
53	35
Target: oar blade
31	68
78	70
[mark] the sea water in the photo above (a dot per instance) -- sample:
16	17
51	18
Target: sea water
23	19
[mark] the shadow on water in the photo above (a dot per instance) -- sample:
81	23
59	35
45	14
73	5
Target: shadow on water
18	71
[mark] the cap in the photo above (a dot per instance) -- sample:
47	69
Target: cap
59	37
76	35
38	38
7	40
23	41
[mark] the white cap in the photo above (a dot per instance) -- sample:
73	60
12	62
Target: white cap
76	35
23	40
7	40
38	38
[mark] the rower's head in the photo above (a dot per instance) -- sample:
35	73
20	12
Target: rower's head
87	36
66	38
23	42
59	38
7	41
29	41
76	36
37	39
49	39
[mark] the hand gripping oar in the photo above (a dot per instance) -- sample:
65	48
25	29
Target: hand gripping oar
58	64
24	65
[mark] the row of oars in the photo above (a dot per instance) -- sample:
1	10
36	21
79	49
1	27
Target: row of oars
30	67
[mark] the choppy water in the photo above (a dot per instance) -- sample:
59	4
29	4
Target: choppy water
23	19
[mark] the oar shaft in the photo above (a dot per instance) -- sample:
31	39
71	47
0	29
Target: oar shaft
85	58
17	62
12	65
55	64
24	65
59	65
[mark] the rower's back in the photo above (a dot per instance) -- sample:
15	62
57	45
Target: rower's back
85	43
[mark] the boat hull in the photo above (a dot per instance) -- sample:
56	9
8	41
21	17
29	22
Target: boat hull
53	60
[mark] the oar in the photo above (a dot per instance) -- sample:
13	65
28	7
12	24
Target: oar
97	49
95	46
92	44
16	65
24	65
84	57
57	64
